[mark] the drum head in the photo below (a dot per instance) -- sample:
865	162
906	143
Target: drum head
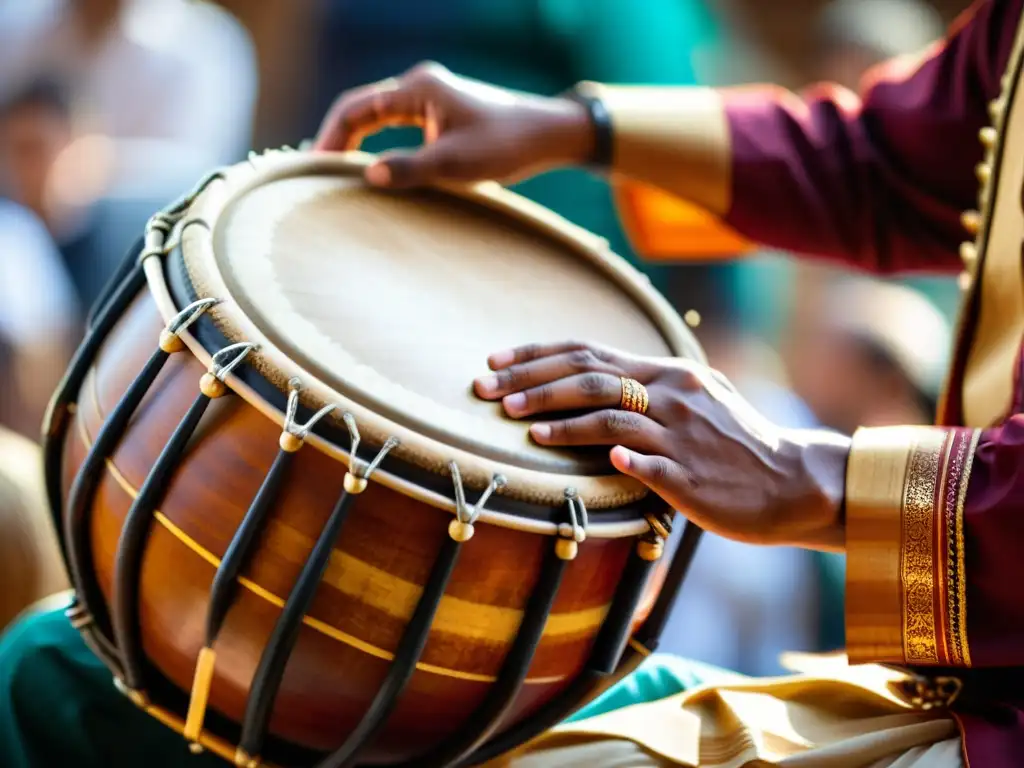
393	301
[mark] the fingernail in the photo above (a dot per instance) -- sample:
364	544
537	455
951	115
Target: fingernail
540	431
515	402
487	384
501	359
379	175
622	455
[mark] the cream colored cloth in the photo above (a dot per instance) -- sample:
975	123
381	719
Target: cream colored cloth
30	563
834	717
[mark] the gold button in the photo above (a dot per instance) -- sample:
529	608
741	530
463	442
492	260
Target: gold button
971	221
289	442
984	172
650	550
995	110
211	386
964	281
460	531
566	549
988	136
968	254
170	342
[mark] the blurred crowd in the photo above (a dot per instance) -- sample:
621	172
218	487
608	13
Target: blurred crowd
110	108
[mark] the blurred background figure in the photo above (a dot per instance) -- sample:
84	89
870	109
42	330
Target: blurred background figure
30	563
875	354
111	108
854	35
38	319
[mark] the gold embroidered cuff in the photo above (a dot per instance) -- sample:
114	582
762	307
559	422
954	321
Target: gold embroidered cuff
672	137
905	590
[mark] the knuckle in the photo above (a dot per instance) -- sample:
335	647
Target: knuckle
541	396
527	352
686	378
659	469
582	359
514	377
618	423
453	164
427	72
593	384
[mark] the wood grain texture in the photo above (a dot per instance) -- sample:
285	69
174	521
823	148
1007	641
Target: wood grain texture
376	572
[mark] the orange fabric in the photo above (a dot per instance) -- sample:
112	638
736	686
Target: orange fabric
662	227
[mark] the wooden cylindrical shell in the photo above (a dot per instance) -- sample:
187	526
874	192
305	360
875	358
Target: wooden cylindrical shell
368	592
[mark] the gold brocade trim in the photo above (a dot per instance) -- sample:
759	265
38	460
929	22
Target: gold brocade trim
891	478
961	577
949	596
917	561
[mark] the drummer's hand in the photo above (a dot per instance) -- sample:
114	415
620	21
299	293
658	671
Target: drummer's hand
473	131
700	446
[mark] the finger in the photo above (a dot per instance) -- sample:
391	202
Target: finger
663	476
608	427
451	157
523	376
584	390
368	109
528	352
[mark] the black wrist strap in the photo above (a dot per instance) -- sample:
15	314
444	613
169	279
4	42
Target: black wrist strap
601	121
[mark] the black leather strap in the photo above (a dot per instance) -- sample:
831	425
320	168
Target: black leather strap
78	512
407	656
243	544
270	672
601	121
131	546
502	694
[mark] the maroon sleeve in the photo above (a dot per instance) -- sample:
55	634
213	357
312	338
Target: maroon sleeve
993	525
877	180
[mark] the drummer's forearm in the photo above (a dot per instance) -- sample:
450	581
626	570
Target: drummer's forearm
674	138
795	172
821	172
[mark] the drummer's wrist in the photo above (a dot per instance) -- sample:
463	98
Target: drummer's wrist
676	138
595	141
823	460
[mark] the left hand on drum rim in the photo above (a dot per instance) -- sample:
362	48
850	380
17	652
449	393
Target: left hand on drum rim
700	445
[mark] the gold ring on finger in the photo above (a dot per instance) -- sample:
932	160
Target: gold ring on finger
634	396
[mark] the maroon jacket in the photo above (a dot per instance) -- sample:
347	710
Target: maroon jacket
879	181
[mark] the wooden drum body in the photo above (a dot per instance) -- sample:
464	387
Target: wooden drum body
438	598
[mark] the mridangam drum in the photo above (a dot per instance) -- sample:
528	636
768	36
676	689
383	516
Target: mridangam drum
295	535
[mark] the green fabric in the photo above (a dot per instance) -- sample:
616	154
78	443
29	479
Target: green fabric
831	570
58	706
659	676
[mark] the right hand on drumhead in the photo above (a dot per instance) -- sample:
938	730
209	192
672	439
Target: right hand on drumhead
473	131
695	441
